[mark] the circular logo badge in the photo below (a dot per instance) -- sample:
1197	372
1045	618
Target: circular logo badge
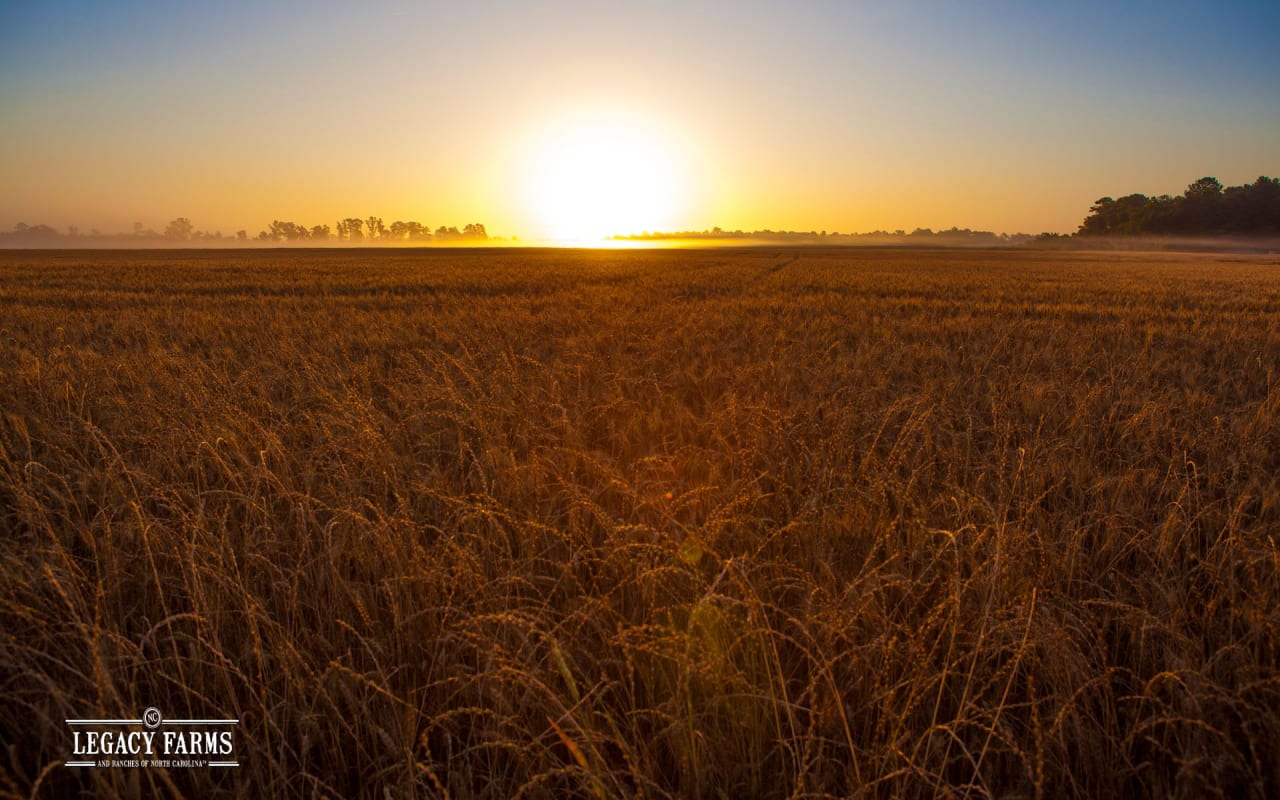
151	718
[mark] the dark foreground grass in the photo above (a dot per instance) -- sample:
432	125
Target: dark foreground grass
659	524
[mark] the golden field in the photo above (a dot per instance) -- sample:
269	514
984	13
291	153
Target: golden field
687	523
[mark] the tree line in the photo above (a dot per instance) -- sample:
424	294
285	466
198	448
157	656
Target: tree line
1204	209
350	230
922	237
371	229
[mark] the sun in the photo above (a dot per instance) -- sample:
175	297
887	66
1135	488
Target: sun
594	176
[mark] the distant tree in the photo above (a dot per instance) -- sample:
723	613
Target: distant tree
1099	218
349	229
179	229
289	231
320	233
400	231
475	231
23	232
1131	214
1253	207
375	227
1201	207
1205	187
242	235
1123	217
444	234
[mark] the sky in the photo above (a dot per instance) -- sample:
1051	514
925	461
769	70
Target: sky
526	117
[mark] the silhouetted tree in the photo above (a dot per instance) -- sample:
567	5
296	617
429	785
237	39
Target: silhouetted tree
1201	207
1207	188
349	229
1205	208
1253	207
289	231
179	229
413	231
32	234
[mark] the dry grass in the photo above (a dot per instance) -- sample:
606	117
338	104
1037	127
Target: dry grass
658	524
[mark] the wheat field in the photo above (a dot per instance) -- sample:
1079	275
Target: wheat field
674	523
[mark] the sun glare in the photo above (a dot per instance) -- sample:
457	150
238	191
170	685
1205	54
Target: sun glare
593	177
